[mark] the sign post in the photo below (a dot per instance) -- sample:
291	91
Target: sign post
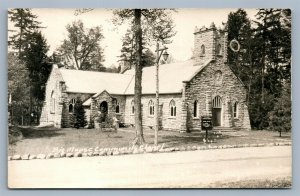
206	124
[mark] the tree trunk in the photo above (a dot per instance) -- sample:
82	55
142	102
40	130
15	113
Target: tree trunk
139	140
21	36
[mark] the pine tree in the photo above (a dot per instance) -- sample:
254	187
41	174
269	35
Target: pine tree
128	51
25	23
263	62
280	117
239	28
79	118
272	60
37	63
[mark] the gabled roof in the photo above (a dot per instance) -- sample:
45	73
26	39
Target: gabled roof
87	102
79	81
101	93
171	78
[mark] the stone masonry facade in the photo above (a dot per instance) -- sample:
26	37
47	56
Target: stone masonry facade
167	122
214	83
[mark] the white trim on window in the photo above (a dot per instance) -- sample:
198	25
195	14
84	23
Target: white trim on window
172	107
202	50
132	109
72	105
195	111
52	103
235	110
151	108
117	107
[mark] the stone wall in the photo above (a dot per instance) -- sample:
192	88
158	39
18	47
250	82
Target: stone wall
166	121
65	113
121	100
55	87
216	79
211	39
112	101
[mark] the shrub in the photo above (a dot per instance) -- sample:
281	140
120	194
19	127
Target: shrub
78	119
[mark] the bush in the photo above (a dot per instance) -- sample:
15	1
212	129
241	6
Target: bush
14	134
78	119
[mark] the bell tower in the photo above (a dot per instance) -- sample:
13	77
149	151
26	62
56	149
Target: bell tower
209	44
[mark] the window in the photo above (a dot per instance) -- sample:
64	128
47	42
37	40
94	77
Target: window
52	103
117	107
71	105
219	49
217	102
132	107
202	49
235	109
151	108
172	108
195	109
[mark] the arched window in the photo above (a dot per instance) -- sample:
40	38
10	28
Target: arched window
52	103
217	102
151	108
132	107
117	107
235	109
172	108
71	105
202	49
195	109
219	49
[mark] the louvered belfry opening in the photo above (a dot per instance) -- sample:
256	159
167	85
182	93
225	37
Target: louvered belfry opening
217	110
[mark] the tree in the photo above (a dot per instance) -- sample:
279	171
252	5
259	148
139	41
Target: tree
263	62
79	118
81	50
159	27
113	69
280	116
127	56
25	23
38	65
239	28
272	40
18	82
32	49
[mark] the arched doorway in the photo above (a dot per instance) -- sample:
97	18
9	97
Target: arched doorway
104	110
217	111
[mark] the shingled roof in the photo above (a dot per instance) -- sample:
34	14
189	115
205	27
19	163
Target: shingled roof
171	77
78	81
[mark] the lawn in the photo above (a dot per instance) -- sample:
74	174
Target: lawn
276	183
49	140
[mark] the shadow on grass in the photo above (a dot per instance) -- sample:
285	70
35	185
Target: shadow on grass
173	141
31	133
283	136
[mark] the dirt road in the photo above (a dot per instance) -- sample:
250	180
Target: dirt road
162	170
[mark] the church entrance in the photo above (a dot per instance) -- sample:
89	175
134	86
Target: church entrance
103	110
216	111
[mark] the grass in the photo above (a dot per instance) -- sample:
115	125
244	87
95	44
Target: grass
47	140
276	183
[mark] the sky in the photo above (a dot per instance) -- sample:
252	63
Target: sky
55	21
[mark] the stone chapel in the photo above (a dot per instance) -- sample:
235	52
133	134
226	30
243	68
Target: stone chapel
203	85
